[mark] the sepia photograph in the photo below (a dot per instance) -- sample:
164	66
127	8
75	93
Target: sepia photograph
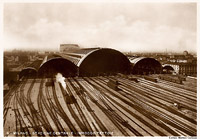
100	69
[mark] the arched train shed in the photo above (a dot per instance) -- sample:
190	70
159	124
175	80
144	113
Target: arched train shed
168	69
144	65
53	64
99	61
31	70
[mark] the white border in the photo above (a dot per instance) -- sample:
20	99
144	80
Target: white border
100	1
2	2
1	69
198	68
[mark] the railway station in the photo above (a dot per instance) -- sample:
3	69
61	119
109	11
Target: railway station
100	61
145	65
84	62
53	64
168	69
31	70
100	92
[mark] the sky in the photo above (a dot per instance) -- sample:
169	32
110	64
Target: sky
135	27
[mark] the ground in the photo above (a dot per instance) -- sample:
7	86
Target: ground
88	107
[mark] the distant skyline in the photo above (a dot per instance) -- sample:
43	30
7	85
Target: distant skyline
135	27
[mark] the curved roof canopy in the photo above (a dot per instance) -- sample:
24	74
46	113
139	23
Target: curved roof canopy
77	56
31	70
95	61
54	64
168	69
144	65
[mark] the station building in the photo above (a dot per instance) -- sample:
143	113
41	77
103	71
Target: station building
91	62
99	61
65	48
184	68
82	62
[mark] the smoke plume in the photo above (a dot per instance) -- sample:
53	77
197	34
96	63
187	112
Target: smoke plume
61	79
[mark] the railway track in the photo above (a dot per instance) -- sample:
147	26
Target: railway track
70	100
141	108
8	100
51	112
161	94
55	111
85	121
148	122
163	116
176	91
20	125
177	85
104	110
148	95
34	112
187	102
21	101
44	119
82	97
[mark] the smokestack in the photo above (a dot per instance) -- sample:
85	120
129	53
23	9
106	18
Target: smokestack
61	79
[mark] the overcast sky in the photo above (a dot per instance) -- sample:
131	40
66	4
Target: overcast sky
136	27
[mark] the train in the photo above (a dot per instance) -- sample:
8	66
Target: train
113	84
133	79
130	77
174	79
150	78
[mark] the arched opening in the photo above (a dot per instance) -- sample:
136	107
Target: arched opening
168	69
28	73
104	62
145	66
57	65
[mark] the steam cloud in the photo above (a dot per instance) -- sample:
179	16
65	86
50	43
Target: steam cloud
61	79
